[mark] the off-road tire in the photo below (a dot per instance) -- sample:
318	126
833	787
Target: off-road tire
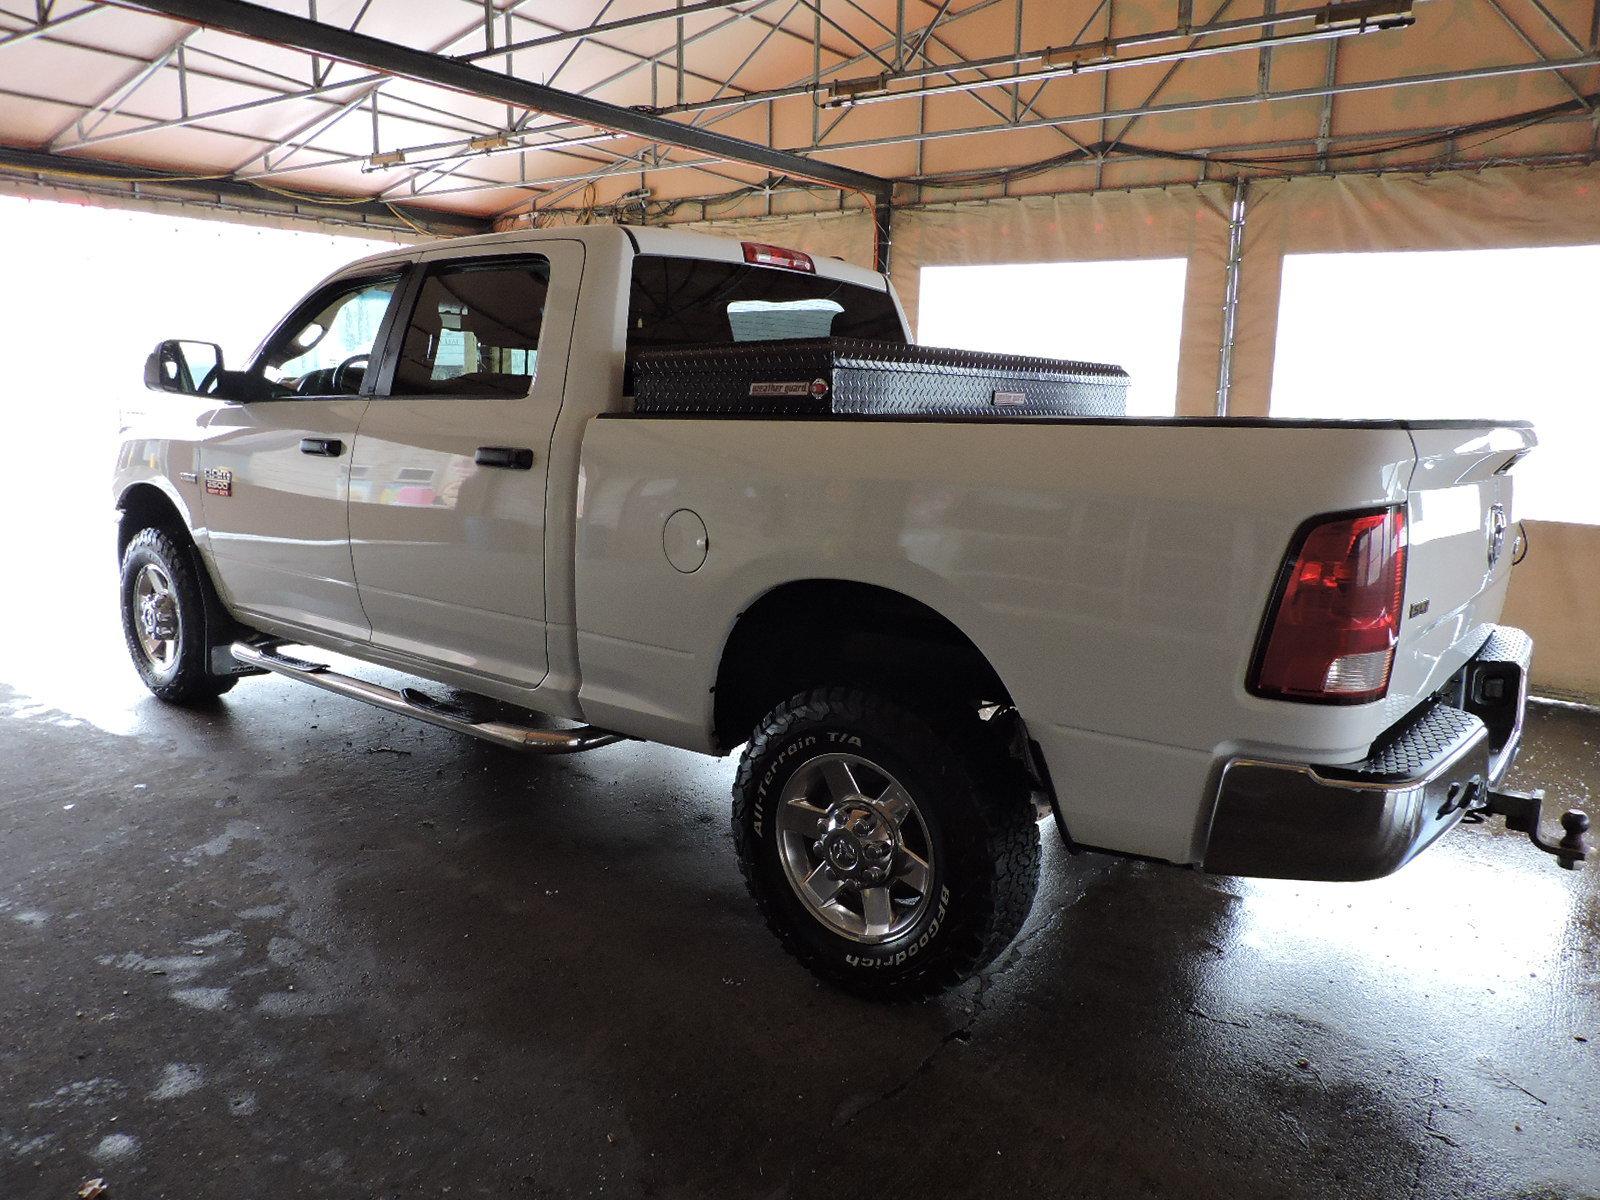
981	822
188	679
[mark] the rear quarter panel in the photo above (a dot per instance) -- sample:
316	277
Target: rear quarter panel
1454	592
1114	574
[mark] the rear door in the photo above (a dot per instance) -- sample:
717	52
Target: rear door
277	468
447	499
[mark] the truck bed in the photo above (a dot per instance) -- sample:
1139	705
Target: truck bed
1114	571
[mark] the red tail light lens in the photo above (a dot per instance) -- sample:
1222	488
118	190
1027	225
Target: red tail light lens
762	255
1331	632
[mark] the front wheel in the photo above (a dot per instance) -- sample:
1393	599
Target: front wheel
164	620
892	854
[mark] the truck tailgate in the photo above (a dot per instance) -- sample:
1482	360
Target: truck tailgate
1461	534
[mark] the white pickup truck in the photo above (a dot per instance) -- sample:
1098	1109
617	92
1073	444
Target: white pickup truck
1253	647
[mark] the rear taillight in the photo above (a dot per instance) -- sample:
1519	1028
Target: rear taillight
762	255
1331	631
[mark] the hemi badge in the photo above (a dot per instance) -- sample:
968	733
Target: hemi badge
1009	399
188	477
219	481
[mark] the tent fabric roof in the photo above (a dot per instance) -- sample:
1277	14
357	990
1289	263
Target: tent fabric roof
97	86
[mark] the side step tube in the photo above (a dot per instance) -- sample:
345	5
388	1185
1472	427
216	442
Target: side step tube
269	657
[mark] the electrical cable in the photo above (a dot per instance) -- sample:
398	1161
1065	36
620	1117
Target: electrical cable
1501	126
301	197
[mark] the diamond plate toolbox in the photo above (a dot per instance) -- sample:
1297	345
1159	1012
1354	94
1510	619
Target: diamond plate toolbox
846	376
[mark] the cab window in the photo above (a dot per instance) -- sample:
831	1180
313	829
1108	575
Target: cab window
475	330
327	346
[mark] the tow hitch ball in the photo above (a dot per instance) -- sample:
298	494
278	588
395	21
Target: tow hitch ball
1522	813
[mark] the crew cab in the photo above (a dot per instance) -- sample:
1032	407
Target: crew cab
1252	647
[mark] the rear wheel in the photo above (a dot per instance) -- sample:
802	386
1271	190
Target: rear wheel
164	620
892	853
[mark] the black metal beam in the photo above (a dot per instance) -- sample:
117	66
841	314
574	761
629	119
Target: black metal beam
63	171
391	58
882	233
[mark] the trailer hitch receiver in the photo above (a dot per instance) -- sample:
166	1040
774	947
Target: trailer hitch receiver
1523	813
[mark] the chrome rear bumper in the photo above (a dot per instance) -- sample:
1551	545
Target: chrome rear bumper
1305	821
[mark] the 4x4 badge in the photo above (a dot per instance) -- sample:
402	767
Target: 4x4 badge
219	481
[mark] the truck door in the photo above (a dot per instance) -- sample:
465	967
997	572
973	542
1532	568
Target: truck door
277	467
447	499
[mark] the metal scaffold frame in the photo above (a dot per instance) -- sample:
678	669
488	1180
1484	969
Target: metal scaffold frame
568	140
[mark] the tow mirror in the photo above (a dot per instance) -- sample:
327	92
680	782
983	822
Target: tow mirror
187	368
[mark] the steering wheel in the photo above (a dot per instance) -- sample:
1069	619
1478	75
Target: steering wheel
341	373
208	381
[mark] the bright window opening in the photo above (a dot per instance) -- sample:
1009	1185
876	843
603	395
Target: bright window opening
90	291
780	320
1498	334
1125	311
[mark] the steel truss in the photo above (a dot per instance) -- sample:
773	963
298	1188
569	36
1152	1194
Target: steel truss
574	139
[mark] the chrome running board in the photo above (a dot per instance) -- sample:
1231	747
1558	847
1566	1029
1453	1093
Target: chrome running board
269	657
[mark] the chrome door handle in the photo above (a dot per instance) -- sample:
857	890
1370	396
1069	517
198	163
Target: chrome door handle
512	458
322	447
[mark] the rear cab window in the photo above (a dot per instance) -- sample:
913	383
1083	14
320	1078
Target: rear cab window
676	302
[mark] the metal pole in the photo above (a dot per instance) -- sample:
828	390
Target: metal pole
882	232
1325	122
847	99
120	178
45	26
1230	294
1264	65
816	68
679	36
1220	102
1078	49
669	14
269	25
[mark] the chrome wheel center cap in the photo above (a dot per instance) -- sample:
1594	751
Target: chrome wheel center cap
855	848
859	843
155	618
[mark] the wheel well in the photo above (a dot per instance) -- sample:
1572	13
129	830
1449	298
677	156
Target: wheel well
145	506
820	631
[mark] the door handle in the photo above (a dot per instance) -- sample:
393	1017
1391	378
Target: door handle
512	458
322	447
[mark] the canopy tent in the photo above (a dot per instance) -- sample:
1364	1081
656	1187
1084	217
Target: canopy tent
994	131
950	99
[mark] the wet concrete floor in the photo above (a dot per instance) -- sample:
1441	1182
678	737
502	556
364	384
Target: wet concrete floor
292	946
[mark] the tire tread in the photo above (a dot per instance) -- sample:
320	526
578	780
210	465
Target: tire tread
1007	836
193	683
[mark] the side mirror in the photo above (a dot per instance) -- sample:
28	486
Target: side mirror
187	368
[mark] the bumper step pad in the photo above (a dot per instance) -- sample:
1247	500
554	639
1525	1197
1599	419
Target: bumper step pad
1417	746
